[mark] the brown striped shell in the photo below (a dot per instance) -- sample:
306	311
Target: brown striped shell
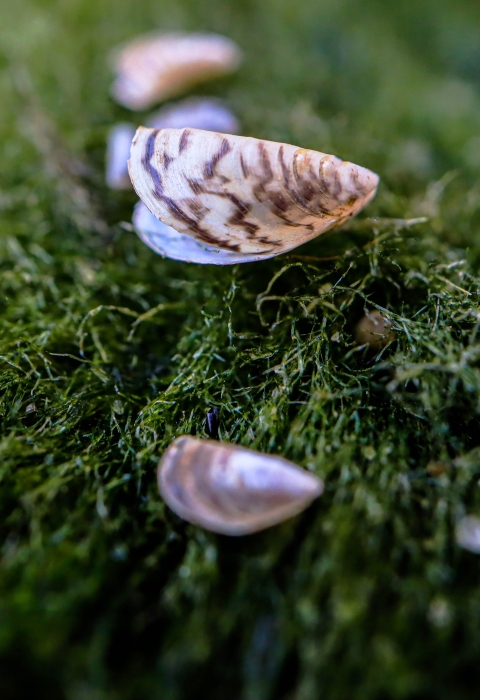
248	196
230	489
157	66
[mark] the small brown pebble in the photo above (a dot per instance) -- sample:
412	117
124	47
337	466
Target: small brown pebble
374	330
437	468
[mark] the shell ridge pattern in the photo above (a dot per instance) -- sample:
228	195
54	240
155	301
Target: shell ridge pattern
305	193
183	143
210	165
291	193
283	200
291	186
243	208
211	169
259	187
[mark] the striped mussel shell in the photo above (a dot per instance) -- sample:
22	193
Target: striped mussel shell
230	489
248	196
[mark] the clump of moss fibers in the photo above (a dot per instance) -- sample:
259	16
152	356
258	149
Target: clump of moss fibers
107	352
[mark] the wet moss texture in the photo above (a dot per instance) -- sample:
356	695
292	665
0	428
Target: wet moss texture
107	352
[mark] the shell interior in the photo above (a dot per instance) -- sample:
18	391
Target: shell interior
169	243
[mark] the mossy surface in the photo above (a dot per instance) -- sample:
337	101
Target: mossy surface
107	352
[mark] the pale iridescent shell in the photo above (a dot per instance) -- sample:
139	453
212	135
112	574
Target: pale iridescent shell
119	141
208	113
467	533
169	243
243	194
196	112
230	489
157	66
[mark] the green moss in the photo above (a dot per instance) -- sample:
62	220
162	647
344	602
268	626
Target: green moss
107	352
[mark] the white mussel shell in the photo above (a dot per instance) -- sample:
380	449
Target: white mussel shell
119	141
231	490
158	66
243	194
206	113
467	533
169	243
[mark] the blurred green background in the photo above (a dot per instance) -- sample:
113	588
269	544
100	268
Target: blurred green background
107	352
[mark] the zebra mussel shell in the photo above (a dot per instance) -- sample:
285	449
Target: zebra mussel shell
157	66
244	195
230	489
